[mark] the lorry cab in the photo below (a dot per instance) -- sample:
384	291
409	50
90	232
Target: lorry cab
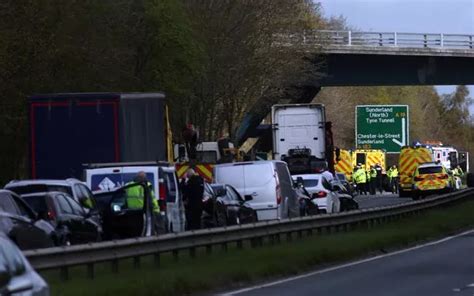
163	179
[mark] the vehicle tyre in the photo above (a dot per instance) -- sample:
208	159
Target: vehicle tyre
470	180
254	218
403	193
221	218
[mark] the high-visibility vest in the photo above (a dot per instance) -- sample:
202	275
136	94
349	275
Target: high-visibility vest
136	197
373	173
360	176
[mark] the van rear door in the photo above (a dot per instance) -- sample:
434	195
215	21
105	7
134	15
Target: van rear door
106	179
260	183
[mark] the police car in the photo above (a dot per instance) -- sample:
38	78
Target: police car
430	178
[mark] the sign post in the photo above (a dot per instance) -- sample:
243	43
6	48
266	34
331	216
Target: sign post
382	127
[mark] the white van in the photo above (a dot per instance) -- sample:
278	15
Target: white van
162	176
268	183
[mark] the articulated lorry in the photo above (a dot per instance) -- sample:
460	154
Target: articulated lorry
70	130
302	137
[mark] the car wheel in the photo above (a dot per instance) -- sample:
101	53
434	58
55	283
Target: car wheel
221	218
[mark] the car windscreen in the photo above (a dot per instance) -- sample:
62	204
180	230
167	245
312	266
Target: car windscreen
310	182
37	203
430	170
341	177
37	188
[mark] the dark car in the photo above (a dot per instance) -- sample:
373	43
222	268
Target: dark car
75	223
223	205
21	224
345	198
119	221
17	277
349	187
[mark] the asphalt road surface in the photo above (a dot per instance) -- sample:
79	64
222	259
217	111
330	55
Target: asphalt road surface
444	267
379	200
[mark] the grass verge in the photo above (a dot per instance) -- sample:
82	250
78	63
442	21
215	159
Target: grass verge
235	267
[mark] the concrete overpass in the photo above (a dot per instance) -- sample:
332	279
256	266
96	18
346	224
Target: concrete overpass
375	58
372	59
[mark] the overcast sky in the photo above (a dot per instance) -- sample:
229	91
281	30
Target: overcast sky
417	16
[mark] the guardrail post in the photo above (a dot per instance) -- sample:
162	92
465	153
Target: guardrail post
64	273
192	252
441	40
175	255
299	234
395	39
136	262
115	266
90	271
157	259
425	40
240	245
470	41
349	38
380	39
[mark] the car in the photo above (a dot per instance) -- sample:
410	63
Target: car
307	207
21	224
431	178
66	215
73	187
341	177
162	177
223	206
268	183
346	200
121	222
17	277
321	192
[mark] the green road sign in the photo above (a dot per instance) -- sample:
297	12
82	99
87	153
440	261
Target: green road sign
382	127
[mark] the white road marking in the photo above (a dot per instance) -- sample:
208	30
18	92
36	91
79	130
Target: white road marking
470	285
456	290
240	291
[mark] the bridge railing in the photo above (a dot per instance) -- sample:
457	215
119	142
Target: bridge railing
378	39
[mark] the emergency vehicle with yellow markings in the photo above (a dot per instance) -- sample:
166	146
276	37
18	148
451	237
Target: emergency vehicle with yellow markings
368	158
343	162
430	178
410	159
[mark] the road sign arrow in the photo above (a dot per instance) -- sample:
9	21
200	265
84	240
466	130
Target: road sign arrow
404	136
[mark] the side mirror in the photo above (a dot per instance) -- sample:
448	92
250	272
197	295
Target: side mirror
299	181
248	197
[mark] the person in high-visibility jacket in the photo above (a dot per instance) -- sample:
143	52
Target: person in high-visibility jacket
392	175
136	195
360	178
373	180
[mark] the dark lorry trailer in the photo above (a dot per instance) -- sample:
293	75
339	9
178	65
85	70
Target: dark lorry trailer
69	130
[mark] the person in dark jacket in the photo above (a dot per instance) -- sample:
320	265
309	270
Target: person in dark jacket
193	189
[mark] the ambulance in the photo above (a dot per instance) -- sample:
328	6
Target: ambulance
410	159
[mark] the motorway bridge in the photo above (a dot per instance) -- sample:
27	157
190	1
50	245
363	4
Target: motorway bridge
346	58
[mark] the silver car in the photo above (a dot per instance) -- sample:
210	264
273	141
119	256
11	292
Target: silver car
17	277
